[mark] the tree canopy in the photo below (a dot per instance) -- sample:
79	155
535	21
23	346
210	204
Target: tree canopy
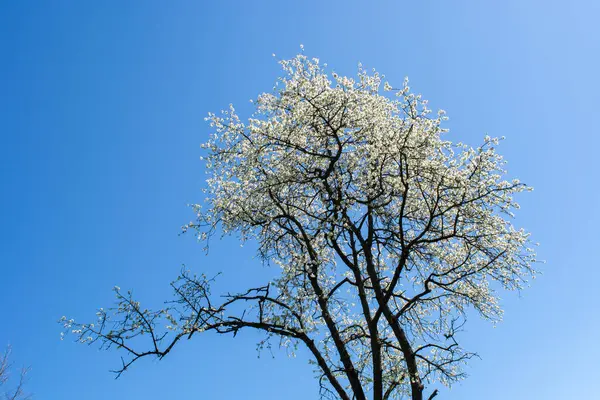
385	234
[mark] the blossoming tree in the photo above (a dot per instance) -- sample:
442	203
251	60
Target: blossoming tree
385	235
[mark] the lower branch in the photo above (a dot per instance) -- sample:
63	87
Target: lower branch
193	312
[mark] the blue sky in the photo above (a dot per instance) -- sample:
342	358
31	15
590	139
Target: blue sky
101	117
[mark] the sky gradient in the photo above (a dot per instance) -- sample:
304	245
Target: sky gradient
101	118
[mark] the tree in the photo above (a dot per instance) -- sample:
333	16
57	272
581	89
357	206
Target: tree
18	392
385	234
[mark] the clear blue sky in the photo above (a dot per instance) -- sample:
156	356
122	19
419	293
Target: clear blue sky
101	117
